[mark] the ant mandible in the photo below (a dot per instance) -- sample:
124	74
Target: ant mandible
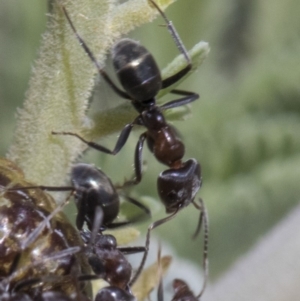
140	77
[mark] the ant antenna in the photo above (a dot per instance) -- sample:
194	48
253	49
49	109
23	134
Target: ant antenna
173	32
205	247
150	228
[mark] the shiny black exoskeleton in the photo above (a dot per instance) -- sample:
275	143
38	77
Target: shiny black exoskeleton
112	293
96	198
140	77
107	259
93	188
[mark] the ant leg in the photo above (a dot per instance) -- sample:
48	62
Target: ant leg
93	59
139	205
150	228
120	142
189	97
176	77
131	250
137	162
47	188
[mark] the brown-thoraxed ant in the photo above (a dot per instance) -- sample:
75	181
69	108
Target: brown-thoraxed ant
140	78
92	189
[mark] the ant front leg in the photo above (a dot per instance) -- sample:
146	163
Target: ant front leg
137	162
189	97
119	145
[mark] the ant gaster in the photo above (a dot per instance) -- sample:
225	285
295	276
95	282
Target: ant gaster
140	77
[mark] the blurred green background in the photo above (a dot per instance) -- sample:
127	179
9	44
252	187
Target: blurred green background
244	130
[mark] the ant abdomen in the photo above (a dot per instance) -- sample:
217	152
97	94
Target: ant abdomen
94	188
133	64
179	186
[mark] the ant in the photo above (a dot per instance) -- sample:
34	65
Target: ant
108	260
32	227
140	77
98	205
96	198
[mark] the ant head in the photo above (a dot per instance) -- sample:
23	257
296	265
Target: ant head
112	293
178	187
94	188
137	70
182	291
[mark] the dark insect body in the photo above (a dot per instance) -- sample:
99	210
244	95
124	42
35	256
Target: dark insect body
26	248
108	260
96	198
182	291
98	204
140	77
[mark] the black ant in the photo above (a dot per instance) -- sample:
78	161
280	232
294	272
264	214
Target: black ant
141	80
32	227
96	198
98	204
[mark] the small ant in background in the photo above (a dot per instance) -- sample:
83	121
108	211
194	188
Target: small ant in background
182	292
